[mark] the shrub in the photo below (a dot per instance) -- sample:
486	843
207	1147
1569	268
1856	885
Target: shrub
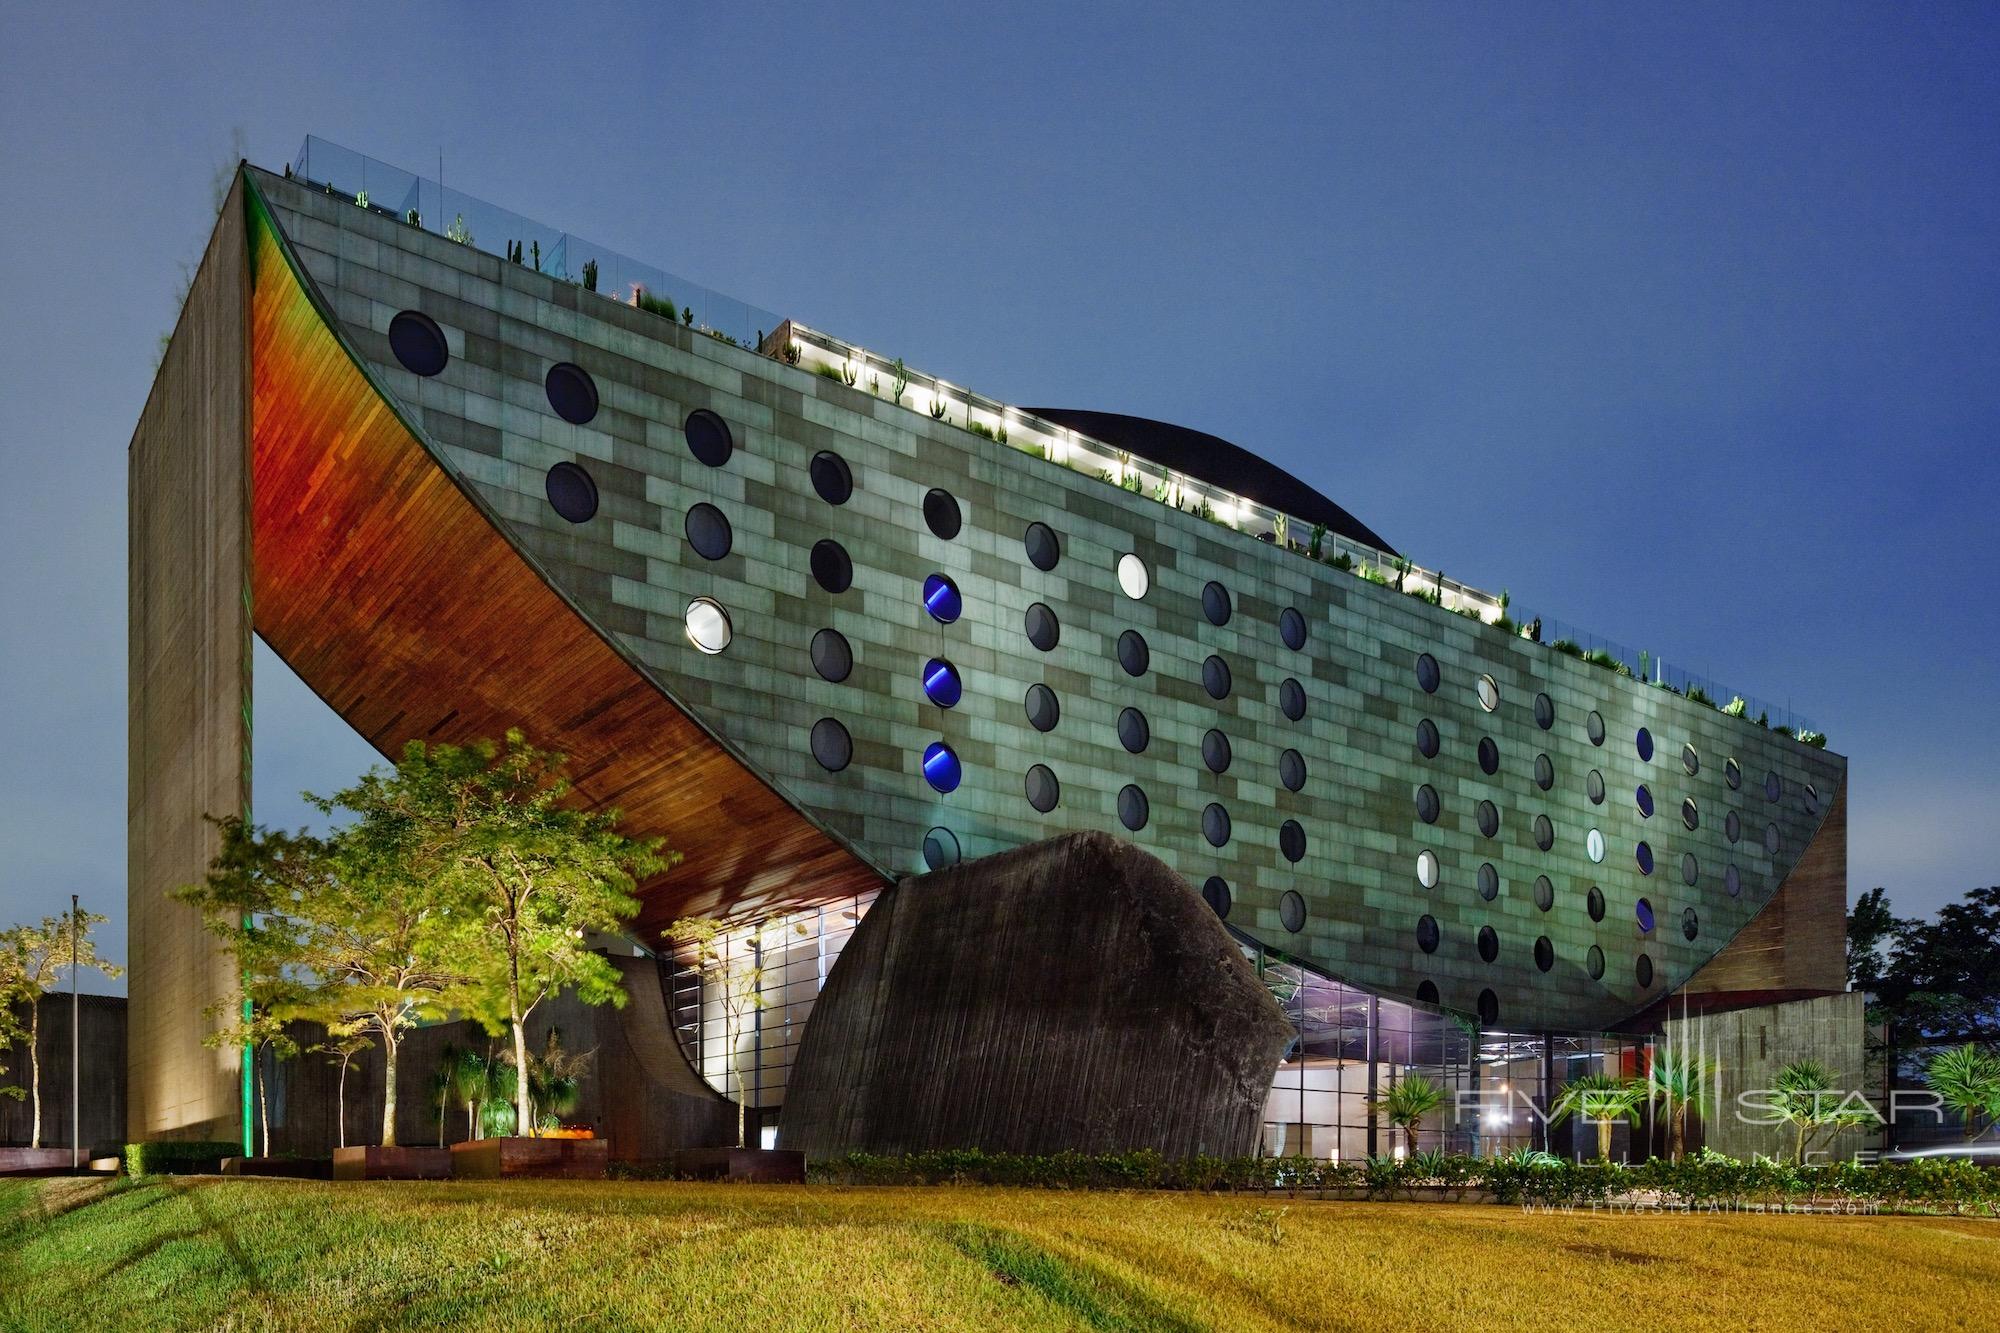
1567	647
179	1157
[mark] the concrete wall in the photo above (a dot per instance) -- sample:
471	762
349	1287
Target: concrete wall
1754	1044
102	1049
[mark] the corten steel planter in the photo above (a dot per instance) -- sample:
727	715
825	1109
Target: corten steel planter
293	1168
34	1161
762	1166
512	1156
376	1163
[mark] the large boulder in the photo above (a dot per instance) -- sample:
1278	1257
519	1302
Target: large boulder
1071	995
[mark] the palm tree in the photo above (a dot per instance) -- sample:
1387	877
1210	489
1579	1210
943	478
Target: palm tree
1601	1098
1680	1079
1407	1103
1967	1079
1804	1095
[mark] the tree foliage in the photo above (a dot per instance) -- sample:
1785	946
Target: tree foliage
1601	1099
32	960
1938	979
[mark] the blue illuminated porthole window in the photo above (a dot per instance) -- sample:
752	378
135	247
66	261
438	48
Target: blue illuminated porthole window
1643	910
941	599
1644	741
941	683
1644	798
1644	856
941	767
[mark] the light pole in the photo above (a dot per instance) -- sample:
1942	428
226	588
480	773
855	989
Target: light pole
75	1044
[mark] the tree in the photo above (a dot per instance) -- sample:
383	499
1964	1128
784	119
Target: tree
11	1031
1407	1103
342	1045
32	959
1871	928
1804	1095
1601	1099
737	982
1679	1079
1967	1078
1942	981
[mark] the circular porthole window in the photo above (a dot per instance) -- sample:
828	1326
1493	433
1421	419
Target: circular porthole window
1643	970
941	683
1489	693
707	625
1292	699
1044	550
1292	911
1643	742
1132	653
1043	789
1690	868
831	478
708	437
1773	788
1488	943
1427	738
418	343
1215	677
572	393
1643	798
1042	627
1545	893
1593	846
831	745
1427	992
1545	832
571	492
831	569
1489	1007
1427	868
708	532
1044	710
1215	603
941	514
1427	804
1292	770
1732	773
1427	673
1732	826
1771	839
941	767
1133	733
1643	854
1545	772
1593	903
1690	760
1690	814
940	849
1427	933
1215	892
1690	923
1489	819
1215	824
1545	953
1545	711
941	599
1292	628
1132	808
1732	880
1593	727
831	656
1593	963
1489	756
1292	840
1133	580
1215	751
1643	911
1593	786
1489	881
1812	799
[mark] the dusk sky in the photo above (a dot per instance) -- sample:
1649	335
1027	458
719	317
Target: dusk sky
1681	323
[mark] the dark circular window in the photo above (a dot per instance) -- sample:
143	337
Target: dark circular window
1489	756
418	343
1489	881
1643	742
1215	824
1427	992
1545	711
1215	677
1292	699
831	569
1292	628
1489	943
1215	751
1812	799
571	492
1215	892
1732	826
1545	953
1044	710
1593	903
1427	738
1133	733
1593	786
940	848
1427	933
1593	963
1732	880
1545	832
1643	798
830	477
1690	815
1690	760
941	599
1771	839
941	683
1690	868
1215	603
1043	789
708	532
1545	893
1489	1007
831	656
1132	808
1044	550
1545	772
1132	653
1042	628
1292	911
572	393
1643	854
1643	970
1690	923
708	437
941	767
1292	770
1427	804
1292	840
831	745
1593	727
1489	819
1732	773
1643	910
1773	788
941	513
1427	673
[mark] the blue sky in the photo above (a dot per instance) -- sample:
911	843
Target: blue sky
1682	325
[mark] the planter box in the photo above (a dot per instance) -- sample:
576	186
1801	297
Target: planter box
512	1156
35	1161
292	1168
391	1164
763	1166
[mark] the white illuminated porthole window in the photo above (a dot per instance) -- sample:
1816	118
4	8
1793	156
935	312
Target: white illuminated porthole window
1489	693
1427	868
707	625
1593	843
1132	576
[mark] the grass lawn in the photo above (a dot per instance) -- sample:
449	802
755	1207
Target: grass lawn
200	1252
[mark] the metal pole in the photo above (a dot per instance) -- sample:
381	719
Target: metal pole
75	1045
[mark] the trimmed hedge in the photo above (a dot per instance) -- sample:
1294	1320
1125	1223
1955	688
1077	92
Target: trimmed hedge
1929	1184
178	1156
